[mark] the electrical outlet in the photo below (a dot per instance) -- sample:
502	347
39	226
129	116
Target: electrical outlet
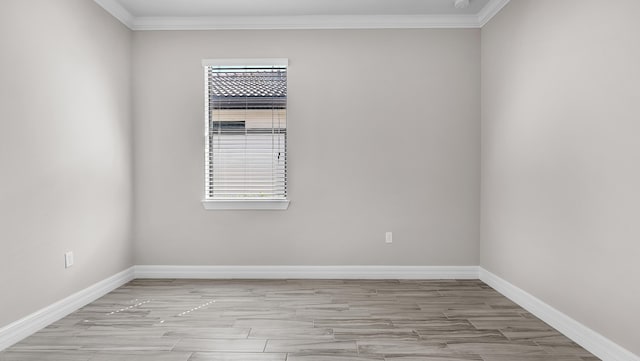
68	259
388	237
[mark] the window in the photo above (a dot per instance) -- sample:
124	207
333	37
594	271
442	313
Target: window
246	134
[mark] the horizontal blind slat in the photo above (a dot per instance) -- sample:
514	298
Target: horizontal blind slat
246	155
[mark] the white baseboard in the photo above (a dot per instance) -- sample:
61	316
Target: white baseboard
18	330
592	341
309	272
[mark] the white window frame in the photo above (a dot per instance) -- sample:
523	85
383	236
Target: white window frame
237	204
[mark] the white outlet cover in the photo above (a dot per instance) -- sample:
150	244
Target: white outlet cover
388	237
68	259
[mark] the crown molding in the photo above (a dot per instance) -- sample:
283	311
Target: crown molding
304	22
490	10
114	8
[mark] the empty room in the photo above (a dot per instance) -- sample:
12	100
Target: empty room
320	180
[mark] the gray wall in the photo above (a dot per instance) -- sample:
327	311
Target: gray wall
561	157
383	136
65	150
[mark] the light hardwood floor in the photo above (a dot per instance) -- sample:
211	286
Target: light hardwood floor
299	320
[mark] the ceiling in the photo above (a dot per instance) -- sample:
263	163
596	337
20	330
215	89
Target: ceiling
300	14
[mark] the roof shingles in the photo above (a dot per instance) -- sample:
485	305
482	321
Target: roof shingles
248	84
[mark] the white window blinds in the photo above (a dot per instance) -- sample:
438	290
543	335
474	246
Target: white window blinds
246	130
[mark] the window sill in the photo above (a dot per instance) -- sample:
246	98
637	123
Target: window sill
238	204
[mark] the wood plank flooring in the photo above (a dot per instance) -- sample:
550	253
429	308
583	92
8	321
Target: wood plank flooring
299	320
